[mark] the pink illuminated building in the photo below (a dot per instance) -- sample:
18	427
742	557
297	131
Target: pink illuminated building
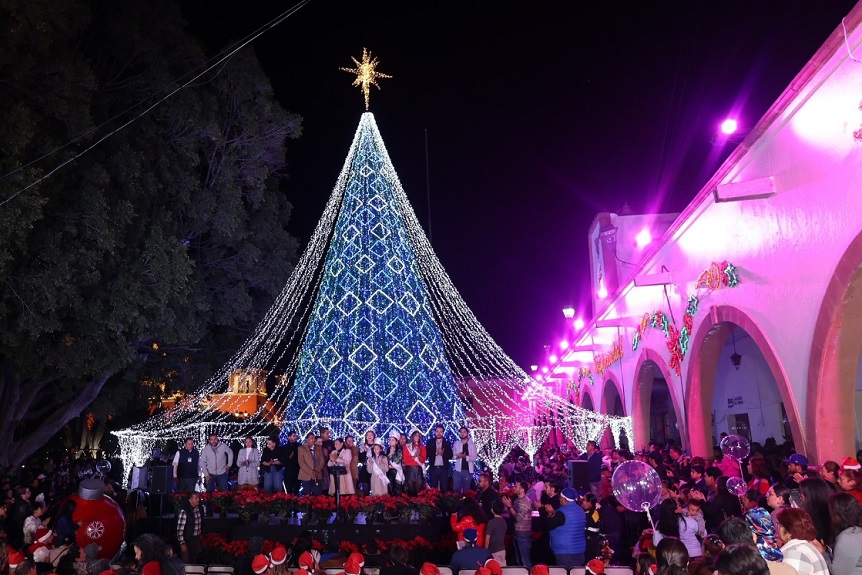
778	353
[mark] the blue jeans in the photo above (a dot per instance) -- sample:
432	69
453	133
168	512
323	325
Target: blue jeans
523	544
439	478
312	487
461	481
218	482
273	481
569	560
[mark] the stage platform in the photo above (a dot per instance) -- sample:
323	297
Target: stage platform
285	530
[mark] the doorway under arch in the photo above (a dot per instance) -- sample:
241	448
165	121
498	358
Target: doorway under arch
759	390
834	370
656	408
611	404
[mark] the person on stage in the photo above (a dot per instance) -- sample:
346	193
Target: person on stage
340	456
186	466
215	462
395	460
311	463
414	458
365	451
439	452
248	462
273	466
377	466
350	443
465	459
291	463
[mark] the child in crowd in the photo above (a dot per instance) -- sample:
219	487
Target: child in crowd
694	510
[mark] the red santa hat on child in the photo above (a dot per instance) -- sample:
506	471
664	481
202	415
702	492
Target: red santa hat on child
260	564
306	561
429	569
15	558
352	566
278	555
850	463
494	567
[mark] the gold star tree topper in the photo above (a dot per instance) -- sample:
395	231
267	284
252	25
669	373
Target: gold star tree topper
366	74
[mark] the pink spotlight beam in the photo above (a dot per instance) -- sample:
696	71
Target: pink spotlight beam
579	324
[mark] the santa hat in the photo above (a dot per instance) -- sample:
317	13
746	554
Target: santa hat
278	555
596	567
429	569
42	535
352	566
15	557
359	557
494	567
539	569
850	463
306	561
260	564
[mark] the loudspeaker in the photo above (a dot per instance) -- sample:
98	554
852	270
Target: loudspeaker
139	478
161	479
578	476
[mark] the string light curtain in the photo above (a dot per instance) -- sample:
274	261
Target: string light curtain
370	333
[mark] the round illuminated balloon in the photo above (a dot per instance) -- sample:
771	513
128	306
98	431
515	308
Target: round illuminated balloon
736	485
736	447
103	466
636	485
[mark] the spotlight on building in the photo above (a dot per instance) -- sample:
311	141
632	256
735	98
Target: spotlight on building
643	239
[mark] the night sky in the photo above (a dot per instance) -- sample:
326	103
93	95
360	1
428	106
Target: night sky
538	116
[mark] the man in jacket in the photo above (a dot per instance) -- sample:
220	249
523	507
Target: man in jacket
189	523
439	453
215	462
465	458
311	463
567	526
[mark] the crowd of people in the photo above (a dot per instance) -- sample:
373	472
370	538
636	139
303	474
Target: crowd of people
791	517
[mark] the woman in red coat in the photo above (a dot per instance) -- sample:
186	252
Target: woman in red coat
414	458
471	516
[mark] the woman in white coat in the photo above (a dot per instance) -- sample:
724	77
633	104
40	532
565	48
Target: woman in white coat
341	456
248	462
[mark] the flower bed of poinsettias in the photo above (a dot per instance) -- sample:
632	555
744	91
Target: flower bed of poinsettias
217	549
426	503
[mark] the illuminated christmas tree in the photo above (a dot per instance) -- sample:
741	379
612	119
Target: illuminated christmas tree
373	356
369	333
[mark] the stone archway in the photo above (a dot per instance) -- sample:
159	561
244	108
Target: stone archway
587	398
650	366
833	368
706	350
612	396
611	404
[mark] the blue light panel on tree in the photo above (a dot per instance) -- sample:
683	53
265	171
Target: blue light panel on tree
373	356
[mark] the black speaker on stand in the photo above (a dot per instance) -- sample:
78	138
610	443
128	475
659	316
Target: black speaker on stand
578	476
161	478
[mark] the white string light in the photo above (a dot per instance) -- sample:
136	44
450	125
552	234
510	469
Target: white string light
445	343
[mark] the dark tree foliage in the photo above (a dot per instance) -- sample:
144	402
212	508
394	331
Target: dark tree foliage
138	268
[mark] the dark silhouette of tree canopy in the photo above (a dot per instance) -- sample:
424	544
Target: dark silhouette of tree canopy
151	257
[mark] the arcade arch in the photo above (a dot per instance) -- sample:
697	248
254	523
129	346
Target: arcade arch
756	398
834	370
656	409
